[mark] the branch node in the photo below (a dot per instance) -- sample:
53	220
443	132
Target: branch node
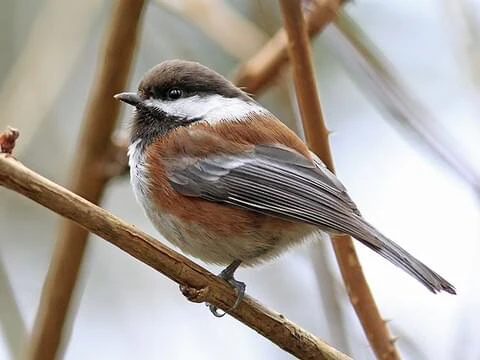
7	140
194	295
331	132
394	339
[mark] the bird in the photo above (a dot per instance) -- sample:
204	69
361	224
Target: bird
224	180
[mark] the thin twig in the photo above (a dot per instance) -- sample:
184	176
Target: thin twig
88	177
332	296
317	137
195	280
258	72
12	323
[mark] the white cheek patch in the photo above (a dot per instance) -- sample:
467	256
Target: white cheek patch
210	108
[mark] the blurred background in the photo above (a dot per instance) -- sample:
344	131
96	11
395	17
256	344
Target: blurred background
399	82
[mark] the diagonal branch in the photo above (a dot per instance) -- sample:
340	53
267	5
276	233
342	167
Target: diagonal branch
198	282
317	137
88	177
258	72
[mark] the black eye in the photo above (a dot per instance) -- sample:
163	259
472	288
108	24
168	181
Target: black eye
174	94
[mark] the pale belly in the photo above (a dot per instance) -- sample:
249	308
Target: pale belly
255	247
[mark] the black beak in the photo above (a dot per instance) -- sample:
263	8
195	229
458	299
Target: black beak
130	98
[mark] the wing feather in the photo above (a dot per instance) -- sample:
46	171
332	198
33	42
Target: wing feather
274	180
278	181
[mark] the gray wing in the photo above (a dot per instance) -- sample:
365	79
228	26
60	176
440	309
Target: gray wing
278	181
273	180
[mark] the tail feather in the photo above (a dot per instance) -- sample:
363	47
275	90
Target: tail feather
400	257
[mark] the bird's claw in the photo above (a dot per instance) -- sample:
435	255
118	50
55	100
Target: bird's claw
239	290
239	287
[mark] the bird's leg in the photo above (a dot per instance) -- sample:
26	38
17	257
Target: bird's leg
227	275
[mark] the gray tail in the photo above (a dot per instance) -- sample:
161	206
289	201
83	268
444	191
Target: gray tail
396	255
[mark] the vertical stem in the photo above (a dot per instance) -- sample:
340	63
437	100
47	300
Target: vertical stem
317	137
12	324
88	178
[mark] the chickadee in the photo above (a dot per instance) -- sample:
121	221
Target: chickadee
224	180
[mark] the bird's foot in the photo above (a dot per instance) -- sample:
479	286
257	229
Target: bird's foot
239	287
